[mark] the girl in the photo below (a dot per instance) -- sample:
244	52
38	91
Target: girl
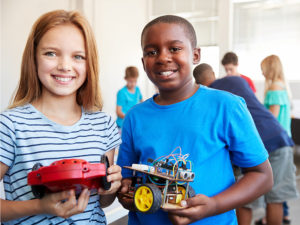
277	100
276	91
56	114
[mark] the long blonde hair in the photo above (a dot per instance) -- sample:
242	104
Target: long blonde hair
30	87
273	71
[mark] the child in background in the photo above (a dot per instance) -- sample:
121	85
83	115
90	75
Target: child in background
129	95
276	91
277	100
230	62
199	120
56	114
275	139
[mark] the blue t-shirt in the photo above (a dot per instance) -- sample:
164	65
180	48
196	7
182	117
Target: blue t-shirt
126	100
28	137
271	132
213	127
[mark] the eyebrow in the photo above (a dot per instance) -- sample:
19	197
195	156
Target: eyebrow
170	42
57	49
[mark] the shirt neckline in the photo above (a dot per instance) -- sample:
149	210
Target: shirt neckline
61	126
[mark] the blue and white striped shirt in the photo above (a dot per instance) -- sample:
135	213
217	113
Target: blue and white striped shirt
28	137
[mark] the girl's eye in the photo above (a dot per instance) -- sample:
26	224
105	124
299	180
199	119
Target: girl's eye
51	54
79	57
175	49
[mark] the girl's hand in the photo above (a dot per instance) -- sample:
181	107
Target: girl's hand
64	204
194	209
114	176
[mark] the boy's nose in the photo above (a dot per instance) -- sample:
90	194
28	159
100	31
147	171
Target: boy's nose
164	56
64	64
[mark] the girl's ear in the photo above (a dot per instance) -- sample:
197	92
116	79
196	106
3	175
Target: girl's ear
196	55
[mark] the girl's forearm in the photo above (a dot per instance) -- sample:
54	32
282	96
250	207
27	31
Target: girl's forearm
16	209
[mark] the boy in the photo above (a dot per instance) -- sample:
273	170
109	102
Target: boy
199	120
230	62
275	138
129	95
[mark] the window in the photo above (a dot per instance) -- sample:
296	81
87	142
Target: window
262	28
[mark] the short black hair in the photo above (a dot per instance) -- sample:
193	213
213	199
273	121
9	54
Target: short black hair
202	73
230	58
187	26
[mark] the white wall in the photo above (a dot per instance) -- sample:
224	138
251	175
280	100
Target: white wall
118	25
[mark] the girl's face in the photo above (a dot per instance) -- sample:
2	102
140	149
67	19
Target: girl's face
61	61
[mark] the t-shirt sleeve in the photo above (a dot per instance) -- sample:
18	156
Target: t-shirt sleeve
244	143
276	98
113	137
120	98
250	83
7	140
126	156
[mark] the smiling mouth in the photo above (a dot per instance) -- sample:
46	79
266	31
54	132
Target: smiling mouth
167	73
63	79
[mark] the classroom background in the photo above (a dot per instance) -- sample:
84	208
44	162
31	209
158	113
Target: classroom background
253	29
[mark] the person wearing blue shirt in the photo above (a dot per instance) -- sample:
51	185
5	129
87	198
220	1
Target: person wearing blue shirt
275	139
129	95
213	127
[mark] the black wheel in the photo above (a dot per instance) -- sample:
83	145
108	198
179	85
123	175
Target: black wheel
147	198
38	190
191	192
104	183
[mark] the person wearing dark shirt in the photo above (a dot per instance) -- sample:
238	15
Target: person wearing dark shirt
276	141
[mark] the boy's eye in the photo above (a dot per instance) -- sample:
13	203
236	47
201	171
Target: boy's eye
150	53
51	54
175	49
79	57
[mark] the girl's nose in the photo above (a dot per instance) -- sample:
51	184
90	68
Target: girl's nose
64	64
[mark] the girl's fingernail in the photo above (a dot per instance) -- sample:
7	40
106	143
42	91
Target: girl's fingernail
183	203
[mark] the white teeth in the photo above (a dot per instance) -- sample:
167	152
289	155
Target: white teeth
166	73
63	79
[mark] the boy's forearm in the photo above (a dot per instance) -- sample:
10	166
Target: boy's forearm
255	182
107	200
16	209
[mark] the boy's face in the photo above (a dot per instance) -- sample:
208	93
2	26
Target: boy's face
231	69
168	56
131	82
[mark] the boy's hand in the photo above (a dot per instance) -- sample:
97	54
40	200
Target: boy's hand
195	209
114	176
125	201
64	204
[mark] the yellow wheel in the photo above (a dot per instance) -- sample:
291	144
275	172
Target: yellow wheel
182	189
180	197
147	198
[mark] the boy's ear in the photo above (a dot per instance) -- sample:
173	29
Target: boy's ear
196	55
